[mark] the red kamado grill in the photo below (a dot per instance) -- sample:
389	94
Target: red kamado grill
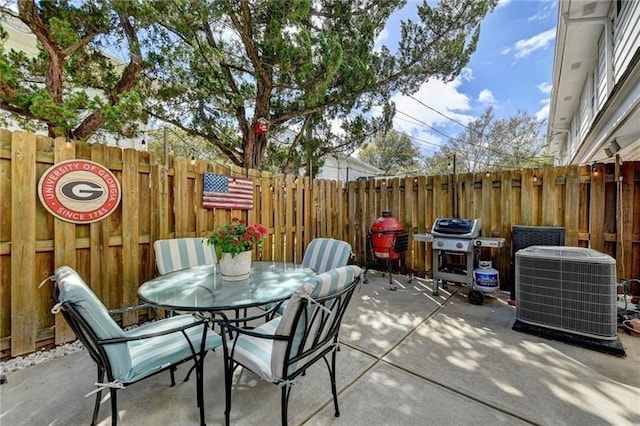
388	241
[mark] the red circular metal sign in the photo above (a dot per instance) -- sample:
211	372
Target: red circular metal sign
79	191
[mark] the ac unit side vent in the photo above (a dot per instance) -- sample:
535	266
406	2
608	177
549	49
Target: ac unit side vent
567	288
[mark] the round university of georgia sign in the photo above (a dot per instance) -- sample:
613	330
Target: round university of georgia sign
79	191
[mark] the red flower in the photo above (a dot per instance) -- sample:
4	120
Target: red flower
246	236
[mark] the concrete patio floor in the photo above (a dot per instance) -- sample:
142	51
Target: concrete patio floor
407	358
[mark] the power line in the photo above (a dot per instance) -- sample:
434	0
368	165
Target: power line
487	148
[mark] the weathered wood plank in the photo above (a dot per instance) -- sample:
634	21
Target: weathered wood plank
23	225
596	208
64	248
130	233
299	211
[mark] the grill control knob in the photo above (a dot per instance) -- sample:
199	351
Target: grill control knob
459	245
478	243
440	243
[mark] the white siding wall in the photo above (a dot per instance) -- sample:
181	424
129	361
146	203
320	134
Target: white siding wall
584	110
345	170
601	74
626	36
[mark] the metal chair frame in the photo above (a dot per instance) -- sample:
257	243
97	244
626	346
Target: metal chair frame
96	348
329	324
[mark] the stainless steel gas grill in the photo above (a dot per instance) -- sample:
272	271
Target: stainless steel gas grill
457	239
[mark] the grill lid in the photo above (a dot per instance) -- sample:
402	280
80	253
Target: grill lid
462	228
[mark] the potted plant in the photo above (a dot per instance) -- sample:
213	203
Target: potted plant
233	243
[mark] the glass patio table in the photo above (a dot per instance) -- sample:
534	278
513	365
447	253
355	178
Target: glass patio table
202	289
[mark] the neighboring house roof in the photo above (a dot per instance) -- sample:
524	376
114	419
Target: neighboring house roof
347	169
595	102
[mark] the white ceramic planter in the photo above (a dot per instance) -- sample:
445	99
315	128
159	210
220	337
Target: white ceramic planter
235	268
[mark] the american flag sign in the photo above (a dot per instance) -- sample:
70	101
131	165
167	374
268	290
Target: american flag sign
224	192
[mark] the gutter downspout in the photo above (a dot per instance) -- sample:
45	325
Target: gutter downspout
608	41
566	144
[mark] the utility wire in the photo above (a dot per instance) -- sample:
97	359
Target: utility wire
494	151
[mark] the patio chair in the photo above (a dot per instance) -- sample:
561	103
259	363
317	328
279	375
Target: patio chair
285	347
127	357
180	253
321	255
325	254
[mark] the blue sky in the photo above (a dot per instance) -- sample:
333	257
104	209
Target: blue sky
510	70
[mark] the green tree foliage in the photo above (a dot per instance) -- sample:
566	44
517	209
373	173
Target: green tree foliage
491	144
214	67
392	152
180	144
72	87
220	65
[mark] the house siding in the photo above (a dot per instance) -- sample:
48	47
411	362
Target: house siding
595	91
626	36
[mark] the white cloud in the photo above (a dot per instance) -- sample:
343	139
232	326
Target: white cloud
539	41
382	37
486	97
545	87
466	74
502	3
414	118
547	11
543	113
505	51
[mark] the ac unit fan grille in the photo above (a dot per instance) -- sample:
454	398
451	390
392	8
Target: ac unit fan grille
572	296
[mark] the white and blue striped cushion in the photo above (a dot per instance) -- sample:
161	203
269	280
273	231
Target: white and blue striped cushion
152	354
265	357
75	291
131	361
180	253
255	353
326	284
324	254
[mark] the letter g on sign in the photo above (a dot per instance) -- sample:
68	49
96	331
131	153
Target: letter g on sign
82	191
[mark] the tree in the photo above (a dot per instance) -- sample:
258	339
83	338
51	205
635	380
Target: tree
392	152
58	87
180	144
219	66
493	144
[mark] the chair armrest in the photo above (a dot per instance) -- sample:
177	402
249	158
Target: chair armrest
130	309
250	332
157	334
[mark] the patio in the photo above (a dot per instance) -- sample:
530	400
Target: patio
407	358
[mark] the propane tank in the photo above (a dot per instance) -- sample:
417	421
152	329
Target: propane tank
487	278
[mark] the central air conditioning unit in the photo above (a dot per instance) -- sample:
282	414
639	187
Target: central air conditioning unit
571	289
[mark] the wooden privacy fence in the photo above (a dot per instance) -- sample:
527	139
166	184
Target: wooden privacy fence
115	255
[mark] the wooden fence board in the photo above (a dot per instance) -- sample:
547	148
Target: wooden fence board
130	235
65	238
597	199
23	224
99	241
299	212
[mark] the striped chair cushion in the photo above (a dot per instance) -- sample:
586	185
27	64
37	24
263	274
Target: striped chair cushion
324	254
152	354
75	291
255	353
326	284
180	253
265	357
134	360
